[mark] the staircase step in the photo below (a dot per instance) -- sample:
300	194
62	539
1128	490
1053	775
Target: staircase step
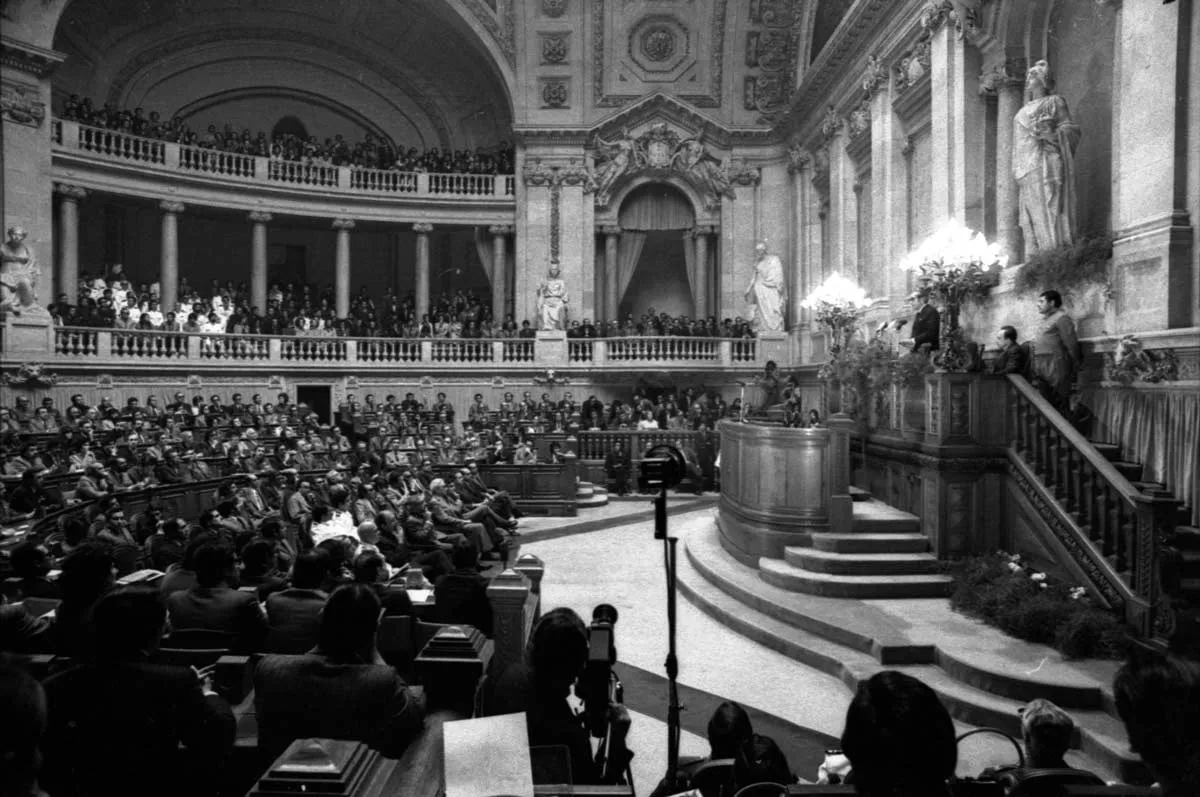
871	543
598	490
861	564
876	517
784	575
1130	470
1186	538
591	501
1150	486
859	494
1110	451
584	492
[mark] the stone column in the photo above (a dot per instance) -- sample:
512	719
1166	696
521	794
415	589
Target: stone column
1007	81
612	280
341	281
168	293
702	276
797	282
68	251
258	260
499	269
422	229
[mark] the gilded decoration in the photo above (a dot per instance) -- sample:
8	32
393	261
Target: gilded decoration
555	47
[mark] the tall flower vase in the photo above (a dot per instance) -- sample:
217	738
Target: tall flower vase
952	355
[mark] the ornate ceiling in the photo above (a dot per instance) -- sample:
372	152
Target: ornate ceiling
416	70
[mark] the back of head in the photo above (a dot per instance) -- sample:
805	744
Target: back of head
214	562
367	567
368	532
128	623
75	530
728	728
338	496
464	555
1047	730
257	557
87	572
558	650
21	732
1158	699
29	560
310	569
899	737
759	760
349	622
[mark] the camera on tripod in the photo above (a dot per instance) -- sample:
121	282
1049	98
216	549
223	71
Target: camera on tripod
599	686
661	467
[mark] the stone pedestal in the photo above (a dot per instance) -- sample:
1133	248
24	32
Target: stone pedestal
28	336
773	346
552	347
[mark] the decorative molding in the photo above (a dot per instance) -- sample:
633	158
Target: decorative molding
171	206
21	103
772	52
29	375
662	151
859	120
23	57
555	222
555	47
742	172
1009	73
1131	362
70	193
259	217
798	158
555	92
500	229
500	28
936	14
875	76
344	224
422	228
659	105
831	124
912	66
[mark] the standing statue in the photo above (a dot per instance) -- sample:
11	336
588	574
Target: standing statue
552	300
767	291
692	158
1044	142
613	159
18	273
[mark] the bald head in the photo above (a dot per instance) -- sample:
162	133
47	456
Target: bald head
368	532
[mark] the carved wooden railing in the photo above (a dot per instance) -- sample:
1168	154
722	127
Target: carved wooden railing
1113	530
66	345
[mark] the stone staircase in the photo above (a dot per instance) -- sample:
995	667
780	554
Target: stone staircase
589	495
884	556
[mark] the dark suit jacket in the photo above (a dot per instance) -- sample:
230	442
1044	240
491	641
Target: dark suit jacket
1012	359
926	327
461	597
298	697
115	728
294	620
220	609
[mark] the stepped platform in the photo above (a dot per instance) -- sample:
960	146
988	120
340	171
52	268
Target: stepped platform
982	675
590	496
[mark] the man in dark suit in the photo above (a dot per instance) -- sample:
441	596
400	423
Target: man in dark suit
926	327
213	605
617	465
116	723
294	614
1012	357
341	690
461	596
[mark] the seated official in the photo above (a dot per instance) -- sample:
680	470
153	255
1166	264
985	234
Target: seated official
213	605
87	573
461	596
539	686
30	564
431	558
1012	357
294	614
259	570
370	569
899	738
116	723
341	690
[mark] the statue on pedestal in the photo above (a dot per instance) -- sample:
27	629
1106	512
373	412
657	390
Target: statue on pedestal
552	300
18	274
767	291
1044	142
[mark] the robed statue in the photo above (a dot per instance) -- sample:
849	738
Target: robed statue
767	291
552	300
1044	142
613	159
18	273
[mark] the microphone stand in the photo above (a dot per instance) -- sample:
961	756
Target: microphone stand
672	663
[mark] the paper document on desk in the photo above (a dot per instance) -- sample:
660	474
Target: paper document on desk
488	756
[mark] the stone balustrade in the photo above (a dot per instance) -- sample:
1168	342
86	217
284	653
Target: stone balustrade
116	347
115	146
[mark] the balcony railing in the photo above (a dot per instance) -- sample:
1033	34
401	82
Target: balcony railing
115	146
127	346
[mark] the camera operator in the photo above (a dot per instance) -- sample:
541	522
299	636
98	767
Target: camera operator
555	659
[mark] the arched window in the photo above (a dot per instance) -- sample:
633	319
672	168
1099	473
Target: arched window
289	125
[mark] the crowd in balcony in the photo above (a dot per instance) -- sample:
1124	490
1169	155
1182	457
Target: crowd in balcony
373	152
115	302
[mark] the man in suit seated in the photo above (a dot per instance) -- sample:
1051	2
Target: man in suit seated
31	563
213	605
341	690
294	614
432	560
116	723
1012	357
461	596
370	569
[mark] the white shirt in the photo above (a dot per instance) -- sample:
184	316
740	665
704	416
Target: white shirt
340	524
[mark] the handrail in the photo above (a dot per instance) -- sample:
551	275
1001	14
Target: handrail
1077	441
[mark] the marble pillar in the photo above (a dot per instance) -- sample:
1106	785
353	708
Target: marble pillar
797	279
258	260
422	229
612	280
499	233
958	159
342	267
168	292
68	248
700	289
1006	81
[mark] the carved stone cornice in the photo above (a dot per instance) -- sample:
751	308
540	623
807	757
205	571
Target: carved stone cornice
610	229
259	217
22	103
875	76
422	228
500	229
859	120
28	57
70	193
1009	73
831	124
343	224
742	172
659	106
172	206
935	15
570	172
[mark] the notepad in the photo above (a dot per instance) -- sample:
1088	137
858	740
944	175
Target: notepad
488	756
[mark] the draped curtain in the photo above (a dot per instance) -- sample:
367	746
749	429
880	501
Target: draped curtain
483	247
628	254
689	258
1156	428
656	208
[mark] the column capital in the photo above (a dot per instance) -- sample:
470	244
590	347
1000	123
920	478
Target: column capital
611	229
71	193
1009	73
259	217
343	224
171	206
495	229
422	228
705	229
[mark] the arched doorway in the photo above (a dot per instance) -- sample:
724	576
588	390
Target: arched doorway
654	257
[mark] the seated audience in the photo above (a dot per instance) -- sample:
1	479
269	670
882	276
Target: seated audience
294	614
1158	699
370	569
30	564
341	690
87	573
117	722
461	596
213	605
728	729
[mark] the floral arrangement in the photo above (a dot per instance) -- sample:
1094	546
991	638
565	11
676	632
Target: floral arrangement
837	303
1003	590
1068	268
953	265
